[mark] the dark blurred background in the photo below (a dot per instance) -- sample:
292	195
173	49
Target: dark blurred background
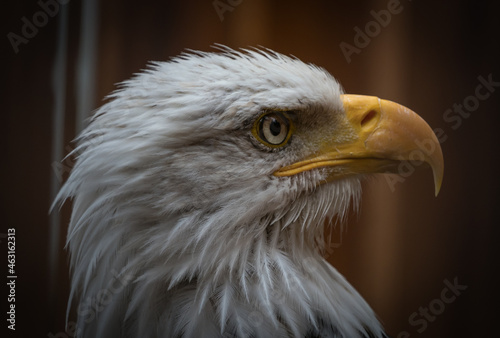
404	250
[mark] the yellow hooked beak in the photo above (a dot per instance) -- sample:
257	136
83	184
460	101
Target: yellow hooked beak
386	134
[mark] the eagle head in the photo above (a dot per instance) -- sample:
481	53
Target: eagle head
200	192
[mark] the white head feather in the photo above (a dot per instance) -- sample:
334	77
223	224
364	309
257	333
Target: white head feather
178	221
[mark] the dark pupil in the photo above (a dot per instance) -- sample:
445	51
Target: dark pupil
275	127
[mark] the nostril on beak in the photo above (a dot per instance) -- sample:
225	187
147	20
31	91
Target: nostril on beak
368	117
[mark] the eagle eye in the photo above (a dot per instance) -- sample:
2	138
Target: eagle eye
273	129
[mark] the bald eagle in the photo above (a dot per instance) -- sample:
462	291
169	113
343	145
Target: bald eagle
200	191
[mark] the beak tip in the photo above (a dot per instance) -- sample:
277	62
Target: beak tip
437	189
438	172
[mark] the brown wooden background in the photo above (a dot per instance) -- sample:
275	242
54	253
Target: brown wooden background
404	244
